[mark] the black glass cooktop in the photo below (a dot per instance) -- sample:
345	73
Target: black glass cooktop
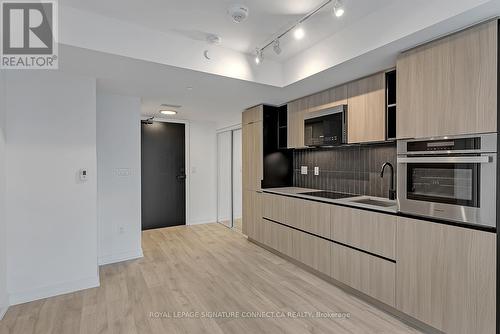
328	194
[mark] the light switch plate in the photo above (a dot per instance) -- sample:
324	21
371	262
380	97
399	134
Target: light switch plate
303	170
316	171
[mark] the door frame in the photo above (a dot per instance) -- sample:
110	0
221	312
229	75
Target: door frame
230	129
186	155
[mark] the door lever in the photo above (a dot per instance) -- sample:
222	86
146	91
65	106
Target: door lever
181	177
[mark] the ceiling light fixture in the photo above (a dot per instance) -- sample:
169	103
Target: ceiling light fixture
338	8
258	56
168	112
298	30
277	47
299	33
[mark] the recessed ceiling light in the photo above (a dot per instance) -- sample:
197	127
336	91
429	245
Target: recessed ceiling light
338	8
168	112
299	33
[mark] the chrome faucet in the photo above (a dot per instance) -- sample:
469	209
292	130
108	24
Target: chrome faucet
392	191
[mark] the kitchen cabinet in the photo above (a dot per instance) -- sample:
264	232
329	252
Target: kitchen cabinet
449	86
252	115
299	108
252	214
446	276
312	251
252	156
369	274
370	231
309	216
366	109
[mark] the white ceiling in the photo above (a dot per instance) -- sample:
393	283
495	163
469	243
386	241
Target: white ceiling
127	59
195	19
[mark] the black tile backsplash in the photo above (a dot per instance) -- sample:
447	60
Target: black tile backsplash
349	169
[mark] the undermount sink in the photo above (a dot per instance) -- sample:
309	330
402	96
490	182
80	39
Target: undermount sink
375	202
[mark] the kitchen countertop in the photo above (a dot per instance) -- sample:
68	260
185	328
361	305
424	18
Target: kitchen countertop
351	201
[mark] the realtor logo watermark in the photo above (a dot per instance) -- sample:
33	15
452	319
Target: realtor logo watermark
29	35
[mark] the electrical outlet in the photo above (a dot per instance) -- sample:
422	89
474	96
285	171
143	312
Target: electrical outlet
316	171
121	230
303	170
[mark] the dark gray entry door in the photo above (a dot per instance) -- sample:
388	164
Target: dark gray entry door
163	175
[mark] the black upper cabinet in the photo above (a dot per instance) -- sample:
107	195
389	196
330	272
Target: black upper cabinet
390	79
278	161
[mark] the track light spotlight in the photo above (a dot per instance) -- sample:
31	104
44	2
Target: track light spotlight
277	47
299	32
338	8
258	56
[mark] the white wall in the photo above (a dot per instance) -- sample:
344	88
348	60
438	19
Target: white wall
118	177
51	214
203	176
3	223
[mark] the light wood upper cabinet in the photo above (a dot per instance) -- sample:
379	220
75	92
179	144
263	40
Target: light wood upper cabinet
449	86
446	276
252	155
299	108
366	110
254	114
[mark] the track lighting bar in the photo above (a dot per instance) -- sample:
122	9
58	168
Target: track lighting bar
338	9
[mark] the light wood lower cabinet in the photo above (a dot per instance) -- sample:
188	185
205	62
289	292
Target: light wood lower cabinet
252	214
312	251
446	276
369	274
309	216
366	230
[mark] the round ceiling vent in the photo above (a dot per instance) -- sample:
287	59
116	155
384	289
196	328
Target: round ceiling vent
238	13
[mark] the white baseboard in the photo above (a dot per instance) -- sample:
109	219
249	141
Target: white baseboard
53	290
202	222
120	257
3	310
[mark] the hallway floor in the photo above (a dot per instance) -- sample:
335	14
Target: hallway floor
188	272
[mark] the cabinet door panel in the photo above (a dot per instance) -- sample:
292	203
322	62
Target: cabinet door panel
449	86
369	274
252	156
252	214
370	231
312	251
446	276
366	111
252	115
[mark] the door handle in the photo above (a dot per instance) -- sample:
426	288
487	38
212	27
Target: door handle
181	177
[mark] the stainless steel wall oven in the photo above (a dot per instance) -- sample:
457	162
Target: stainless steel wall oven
451	178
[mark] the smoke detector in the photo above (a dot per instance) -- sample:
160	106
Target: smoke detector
238	13
213	39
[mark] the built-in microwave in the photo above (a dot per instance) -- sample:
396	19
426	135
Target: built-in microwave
326	127
451	178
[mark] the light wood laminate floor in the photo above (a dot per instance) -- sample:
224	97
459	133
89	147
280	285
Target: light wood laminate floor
204	268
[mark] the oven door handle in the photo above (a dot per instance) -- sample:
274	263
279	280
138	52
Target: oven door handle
457	160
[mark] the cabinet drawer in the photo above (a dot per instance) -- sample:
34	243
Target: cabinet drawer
309	216
273	207
312	251
277	236
366	230
369	274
